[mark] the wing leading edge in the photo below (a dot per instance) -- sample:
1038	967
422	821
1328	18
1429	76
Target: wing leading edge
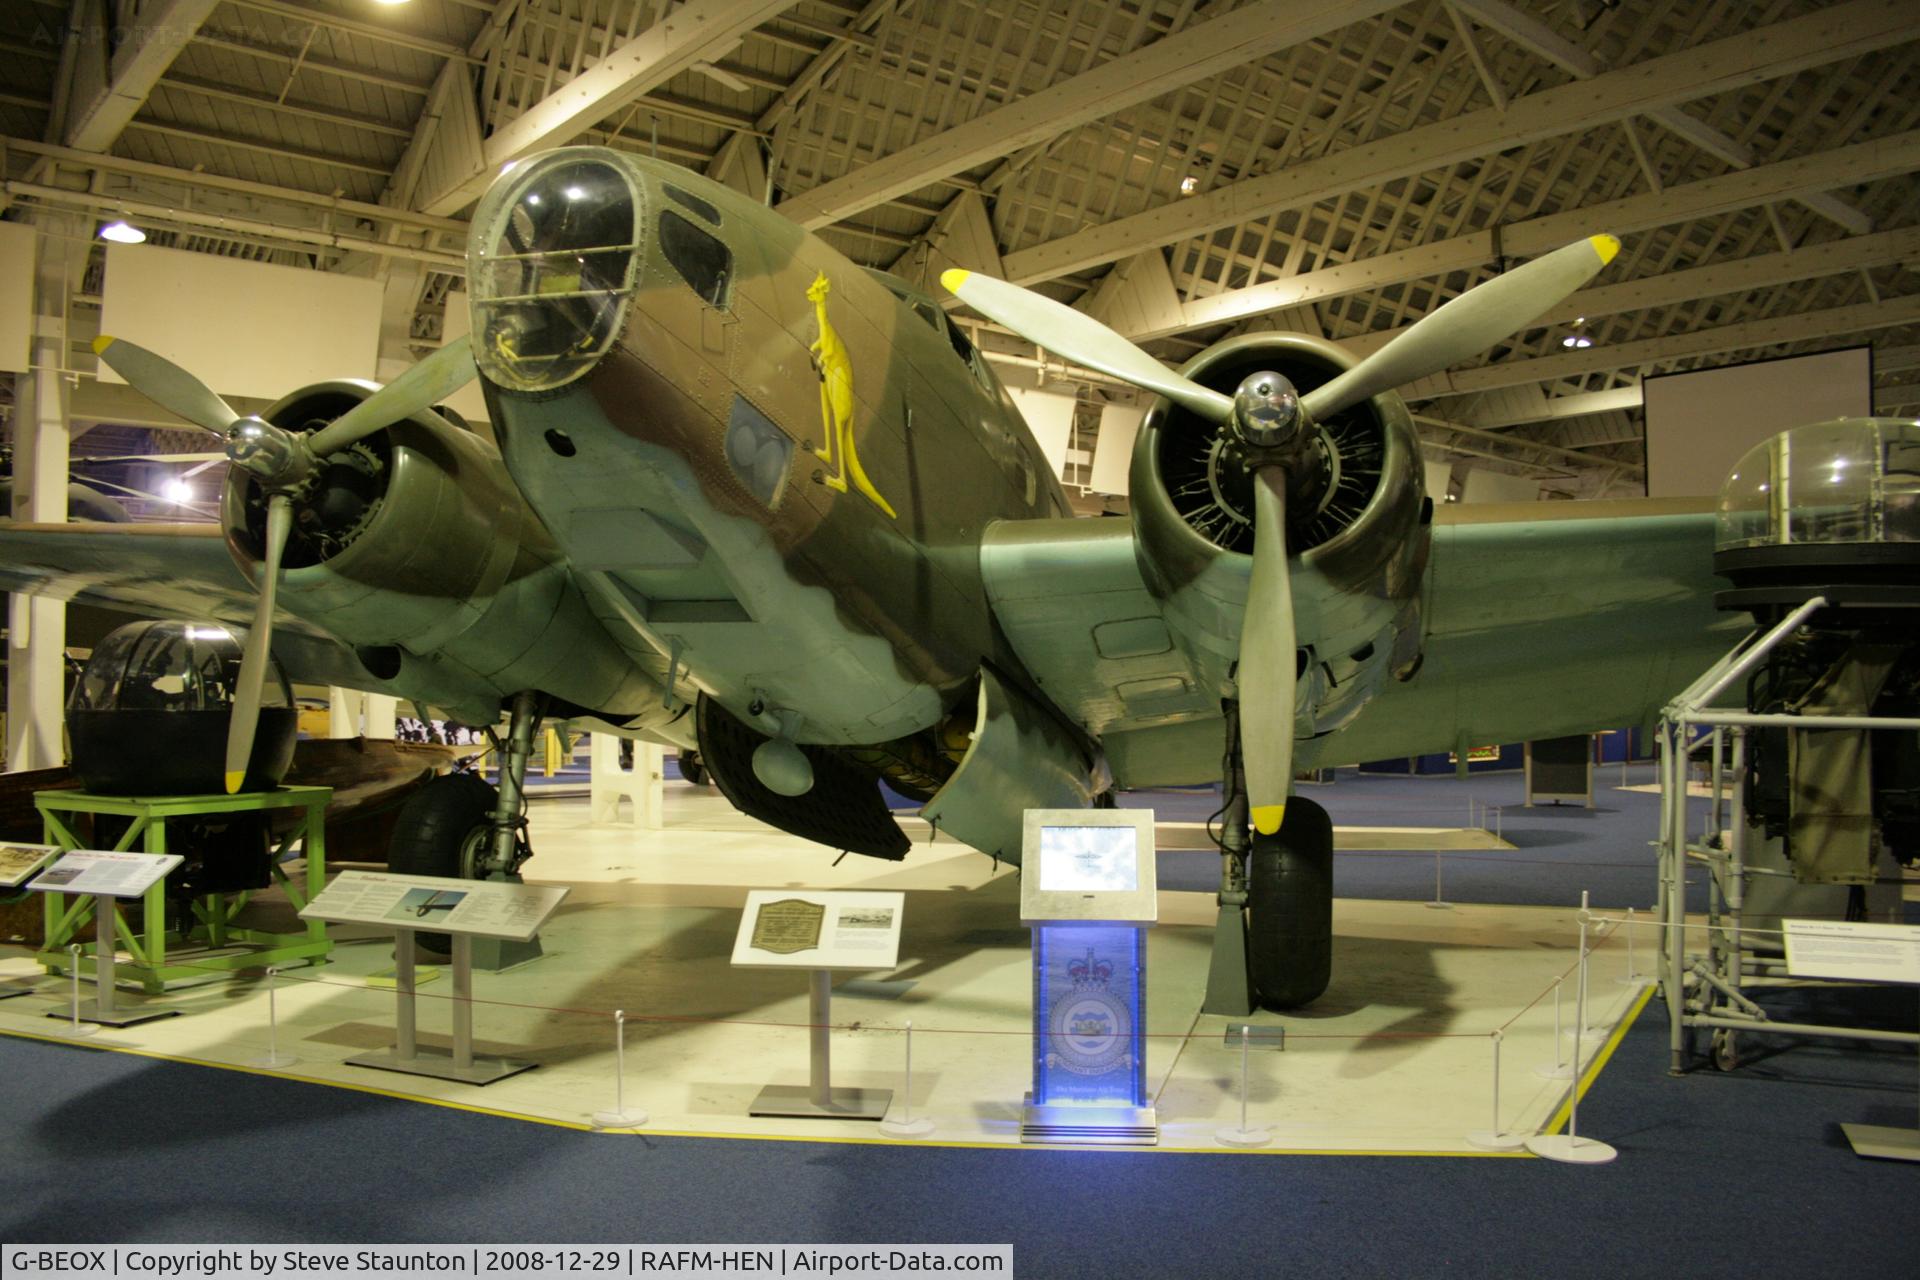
165	571
1541	620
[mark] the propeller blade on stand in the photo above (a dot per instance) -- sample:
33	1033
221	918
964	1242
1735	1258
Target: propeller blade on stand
257	655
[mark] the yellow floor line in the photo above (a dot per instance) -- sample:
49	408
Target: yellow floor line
1592	1072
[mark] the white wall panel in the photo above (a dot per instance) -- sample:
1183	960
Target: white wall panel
244	328
1498	486
1439	475
1050	418
17	241
1700	424
1113	449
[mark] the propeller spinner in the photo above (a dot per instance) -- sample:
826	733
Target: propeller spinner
281	460
1276	425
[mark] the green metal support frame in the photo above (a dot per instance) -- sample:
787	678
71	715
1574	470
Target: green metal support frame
215	912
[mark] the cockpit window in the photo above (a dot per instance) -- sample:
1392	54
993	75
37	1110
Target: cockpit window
959	340
703	261
691	201
557	270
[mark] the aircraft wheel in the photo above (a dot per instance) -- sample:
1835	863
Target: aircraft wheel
440	830
692	770
1290	902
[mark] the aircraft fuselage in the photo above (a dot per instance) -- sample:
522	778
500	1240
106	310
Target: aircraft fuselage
771	464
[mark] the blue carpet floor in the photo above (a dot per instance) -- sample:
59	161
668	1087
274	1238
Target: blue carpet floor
1718	1175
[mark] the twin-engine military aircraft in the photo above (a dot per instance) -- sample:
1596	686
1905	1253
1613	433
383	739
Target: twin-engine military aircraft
758	503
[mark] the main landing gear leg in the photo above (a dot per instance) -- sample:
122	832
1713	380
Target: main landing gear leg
507	846
1229	988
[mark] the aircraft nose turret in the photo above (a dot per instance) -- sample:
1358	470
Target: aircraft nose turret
550	266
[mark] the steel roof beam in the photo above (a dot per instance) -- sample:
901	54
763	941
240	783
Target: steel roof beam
1537	37
1830	35
700	30
109	91
1198	53
1763	271
1832	322
1862	162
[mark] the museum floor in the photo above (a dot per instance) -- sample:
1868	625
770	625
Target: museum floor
1396	1059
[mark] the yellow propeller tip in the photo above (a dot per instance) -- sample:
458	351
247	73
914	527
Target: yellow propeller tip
1266	818
952	279
234	780
1606	247
101	343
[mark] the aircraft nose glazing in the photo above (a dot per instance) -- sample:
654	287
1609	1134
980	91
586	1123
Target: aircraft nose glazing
551	268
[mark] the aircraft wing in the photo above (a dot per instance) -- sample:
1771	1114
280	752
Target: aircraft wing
164	571
1549	619
1540	620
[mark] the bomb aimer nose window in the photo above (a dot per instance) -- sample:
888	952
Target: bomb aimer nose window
552	271
1089	859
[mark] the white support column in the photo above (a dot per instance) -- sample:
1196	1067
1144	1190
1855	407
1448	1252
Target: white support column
644	784
377	716
343	712
37	627
352	714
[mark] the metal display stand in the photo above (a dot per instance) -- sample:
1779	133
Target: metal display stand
127	875
408	1055
235	948
820	932
818	1099
473	909
1708	991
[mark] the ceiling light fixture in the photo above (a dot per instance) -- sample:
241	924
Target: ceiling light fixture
178	490
123	233
1189	185
392	3
1576	340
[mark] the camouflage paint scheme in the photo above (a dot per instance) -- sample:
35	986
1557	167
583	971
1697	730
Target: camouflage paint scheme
612	555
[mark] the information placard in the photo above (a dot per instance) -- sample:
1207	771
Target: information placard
18	861
1857	951
117	875
485	908
803	929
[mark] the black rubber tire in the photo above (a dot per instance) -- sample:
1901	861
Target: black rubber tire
1290	908
692	770
433	828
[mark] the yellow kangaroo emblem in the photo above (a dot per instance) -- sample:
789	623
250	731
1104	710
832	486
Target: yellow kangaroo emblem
836	404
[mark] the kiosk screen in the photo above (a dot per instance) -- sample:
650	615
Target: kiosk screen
1089	860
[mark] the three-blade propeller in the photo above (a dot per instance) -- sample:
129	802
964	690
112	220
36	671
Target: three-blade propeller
1276	430
281	460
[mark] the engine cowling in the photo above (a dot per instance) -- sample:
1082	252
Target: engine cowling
1357	529
414	546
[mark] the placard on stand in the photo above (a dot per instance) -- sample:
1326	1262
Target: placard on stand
465	909
106	877
820	932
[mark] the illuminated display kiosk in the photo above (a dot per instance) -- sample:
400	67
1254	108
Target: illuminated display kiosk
1087	889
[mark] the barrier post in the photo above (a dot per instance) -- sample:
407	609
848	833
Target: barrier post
906	1126
619	1117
